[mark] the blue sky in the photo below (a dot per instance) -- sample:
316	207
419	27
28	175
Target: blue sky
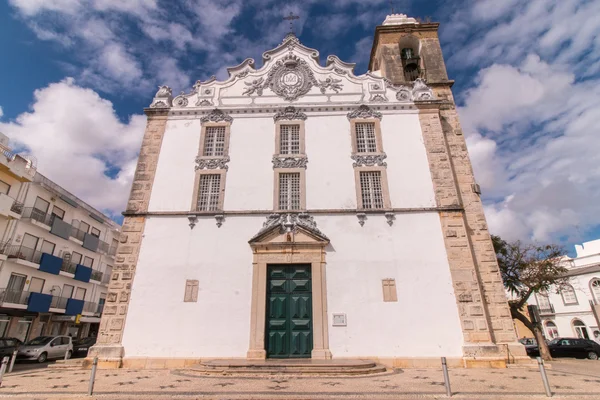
76	75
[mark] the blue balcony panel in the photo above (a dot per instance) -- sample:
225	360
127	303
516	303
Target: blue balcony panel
83	273
50	264
74	307
39	302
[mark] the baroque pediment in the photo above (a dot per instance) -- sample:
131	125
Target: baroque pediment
292	74
289	228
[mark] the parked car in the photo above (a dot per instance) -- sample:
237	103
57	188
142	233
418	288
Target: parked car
569	347
81	346
43	348
8	346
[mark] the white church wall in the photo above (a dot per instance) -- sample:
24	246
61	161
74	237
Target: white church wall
329	177
424	322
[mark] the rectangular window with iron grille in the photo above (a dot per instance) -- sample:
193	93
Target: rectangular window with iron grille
289	191
366	141
209	192
289	142
214	141
371	190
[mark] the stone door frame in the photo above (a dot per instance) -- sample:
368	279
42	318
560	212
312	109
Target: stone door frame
289	253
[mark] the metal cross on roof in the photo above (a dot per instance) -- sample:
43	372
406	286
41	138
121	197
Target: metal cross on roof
291	18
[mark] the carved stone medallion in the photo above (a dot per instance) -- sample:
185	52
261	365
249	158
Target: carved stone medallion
289	113
364	111
217	115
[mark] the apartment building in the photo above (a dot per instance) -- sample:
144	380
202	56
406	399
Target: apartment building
56	255
573	310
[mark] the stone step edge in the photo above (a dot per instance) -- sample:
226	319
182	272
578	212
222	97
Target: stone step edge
355	371
289	366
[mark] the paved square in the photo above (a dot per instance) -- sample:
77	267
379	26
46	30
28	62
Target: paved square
569	379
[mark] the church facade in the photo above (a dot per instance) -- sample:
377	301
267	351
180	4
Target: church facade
298	210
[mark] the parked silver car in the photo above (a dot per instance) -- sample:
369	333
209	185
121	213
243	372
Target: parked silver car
43	348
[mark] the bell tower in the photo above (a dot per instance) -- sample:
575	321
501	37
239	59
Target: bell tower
407	53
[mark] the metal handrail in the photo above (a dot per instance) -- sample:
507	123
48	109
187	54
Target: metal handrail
68	267
59	302
112	250
89	306
96	275
547	310
23	253
17	207
38	215
14	296
77	233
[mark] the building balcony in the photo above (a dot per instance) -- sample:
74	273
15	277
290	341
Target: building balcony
19	167
100	309
17	297
22	253
9	207
546	310
90	308
96	276
30	301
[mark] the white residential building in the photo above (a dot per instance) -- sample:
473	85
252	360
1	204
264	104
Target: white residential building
56	255
574	310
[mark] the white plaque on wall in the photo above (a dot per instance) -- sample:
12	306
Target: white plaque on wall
339	319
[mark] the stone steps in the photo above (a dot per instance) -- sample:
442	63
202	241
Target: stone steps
287	367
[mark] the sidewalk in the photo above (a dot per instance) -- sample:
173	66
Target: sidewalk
572	379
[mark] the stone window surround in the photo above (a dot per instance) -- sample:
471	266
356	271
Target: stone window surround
302	172
201	172
570	288
378	138
387	205
205	125
278	138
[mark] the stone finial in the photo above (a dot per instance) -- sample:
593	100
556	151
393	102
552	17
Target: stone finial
399	19
163	98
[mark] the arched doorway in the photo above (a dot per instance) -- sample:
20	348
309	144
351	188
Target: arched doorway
580	329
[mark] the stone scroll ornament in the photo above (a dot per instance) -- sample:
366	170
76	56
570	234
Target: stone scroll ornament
163	98
288	222
367	160
289	113
217	115
289	162
212	163
364	111
291	78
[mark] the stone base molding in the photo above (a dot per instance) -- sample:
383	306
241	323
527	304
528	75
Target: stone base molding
108	348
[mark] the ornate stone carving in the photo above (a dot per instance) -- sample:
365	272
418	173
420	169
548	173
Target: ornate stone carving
217	115
289	113
255	86
212	163
364	111
340	71
390	218
362	217
380	98
204	102
163	98
289	222
369	160
193	220
421	91
404	94
330	83
219	218
291	78
181	101
289	162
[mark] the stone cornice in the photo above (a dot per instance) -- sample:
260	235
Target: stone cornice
351	211
156	112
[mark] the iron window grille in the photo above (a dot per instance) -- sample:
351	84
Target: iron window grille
208	196
214	141
289	191
366	141
371	191
289	139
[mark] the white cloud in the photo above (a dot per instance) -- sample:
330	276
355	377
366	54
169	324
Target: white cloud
32	7
76	137
1	112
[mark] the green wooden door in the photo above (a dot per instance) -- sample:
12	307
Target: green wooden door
289	312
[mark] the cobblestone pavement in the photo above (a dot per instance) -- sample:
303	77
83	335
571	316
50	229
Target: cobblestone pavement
572	379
